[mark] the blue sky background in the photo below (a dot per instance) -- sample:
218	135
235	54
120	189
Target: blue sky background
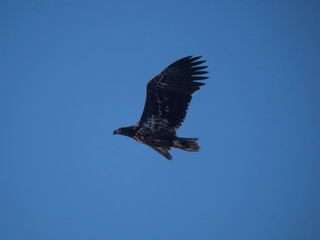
73	71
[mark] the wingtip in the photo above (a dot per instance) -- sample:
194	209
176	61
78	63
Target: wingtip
191	60
195	58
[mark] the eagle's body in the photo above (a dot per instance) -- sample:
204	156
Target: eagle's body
168	98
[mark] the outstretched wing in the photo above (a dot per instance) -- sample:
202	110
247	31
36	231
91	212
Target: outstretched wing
169	95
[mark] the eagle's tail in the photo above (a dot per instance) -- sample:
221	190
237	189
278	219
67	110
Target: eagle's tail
188	144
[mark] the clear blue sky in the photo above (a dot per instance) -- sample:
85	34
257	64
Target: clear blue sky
73	71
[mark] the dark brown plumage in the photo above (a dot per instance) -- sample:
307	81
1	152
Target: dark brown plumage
168	98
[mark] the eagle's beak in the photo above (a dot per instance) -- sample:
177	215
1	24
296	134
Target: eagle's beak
115	132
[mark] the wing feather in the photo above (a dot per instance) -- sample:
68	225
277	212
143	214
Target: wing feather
170	92
164	152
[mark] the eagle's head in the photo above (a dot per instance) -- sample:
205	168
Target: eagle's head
127	131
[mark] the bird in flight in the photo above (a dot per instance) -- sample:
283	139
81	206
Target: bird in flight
168	97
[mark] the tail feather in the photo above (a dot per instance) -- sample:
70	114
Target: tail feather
187	144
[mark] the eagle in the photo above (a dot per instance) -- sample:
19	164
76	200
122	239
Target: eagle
168	97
